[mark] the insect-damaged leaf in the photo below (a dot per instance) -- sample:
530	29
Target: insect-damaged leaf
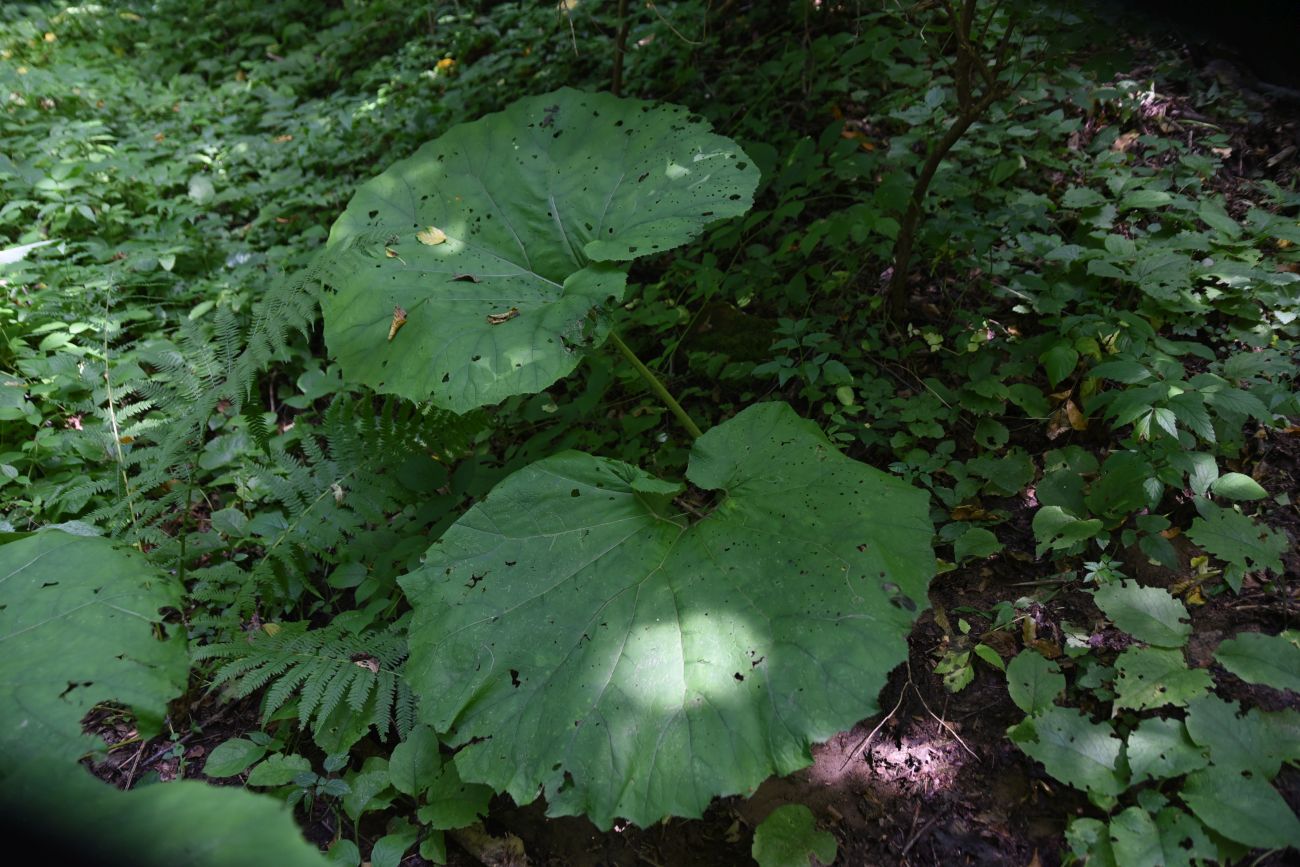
77	622
633	662
534	202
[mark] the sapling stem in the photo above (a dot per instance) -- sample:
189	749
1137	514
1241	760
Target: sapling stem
657	387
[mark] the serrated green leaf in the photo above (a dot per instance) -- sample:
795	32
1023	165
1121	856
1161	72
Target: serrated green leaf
1033	682
1155	676
1082	197
1255	741
77	620
1237	540
1242	808
1184	839
584	623
1089	840
1149	614
1073	749
788	837
1271	660
509	293
278	770
1161	749
1238	486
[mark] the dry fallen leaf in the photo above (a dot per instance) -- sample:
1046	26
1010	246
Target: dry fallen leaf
972	513
498	318
399	319
1078	420
432	236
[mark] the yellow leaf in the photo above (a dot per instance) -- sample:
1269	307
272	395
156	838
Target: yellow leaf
50	37
445	64
432	236
270	628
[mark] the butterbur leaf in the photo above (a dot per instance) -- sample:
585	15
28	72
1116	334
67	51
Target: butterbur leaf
1241	807
1271	660
161	825
1149	614
1073	749
523	211
78	622
788	837
577	632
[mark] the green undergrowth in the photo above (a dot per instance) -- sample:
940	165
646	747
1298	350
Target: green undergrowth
1099	344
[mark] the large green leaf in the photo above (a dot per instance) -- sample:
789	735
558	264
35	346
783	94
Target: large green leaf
491	239
78	624
165	824
580	633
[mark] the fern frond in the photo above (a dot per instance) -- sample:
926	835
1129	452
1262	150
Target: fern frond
323	667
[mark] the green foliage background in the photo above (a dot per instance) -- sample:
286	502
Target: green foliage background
1099	319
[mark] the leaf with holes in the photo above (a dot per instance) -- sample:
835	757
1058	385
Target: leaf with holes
79	619
502	233
1238	541
1074	749
1154	677
579	633
1033	682
1161	749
